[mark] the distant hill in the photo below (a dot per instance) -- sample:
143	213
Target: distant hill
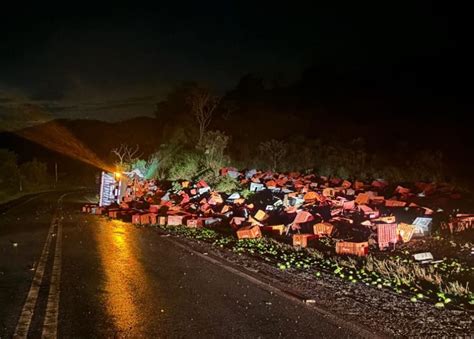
247	127
98	136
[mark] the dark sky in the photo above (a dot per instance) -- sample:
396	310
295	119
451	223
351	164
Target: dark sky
113	63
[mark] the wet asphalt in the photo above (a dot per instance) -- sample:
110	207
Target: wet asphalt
117	280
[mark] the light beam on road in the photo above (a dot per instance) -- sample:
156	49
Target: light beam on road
126	282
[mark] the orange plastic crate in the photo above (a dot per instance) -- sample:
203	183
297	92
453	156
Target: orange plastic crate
249	232
302	240
275	229
352	248
323	228
145	219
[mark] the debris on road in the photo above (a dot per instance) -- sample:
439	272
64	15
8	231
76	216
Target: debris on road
278	204
337	217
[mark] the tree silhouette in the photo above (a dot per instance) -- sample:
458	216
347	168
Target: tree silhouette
203	105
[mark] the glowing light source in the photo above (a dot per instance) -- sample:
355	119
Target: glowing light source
58	138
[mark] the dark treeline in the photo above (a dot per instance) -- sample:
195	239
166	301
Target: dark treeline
334	124
28	176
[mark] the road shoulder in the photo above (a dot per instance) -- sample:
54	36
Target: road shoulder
366	308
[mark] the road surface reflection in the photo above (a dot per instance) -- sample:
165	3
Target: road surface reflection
126	284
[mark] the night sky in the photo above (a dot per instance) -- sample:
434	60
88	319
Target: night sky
114	63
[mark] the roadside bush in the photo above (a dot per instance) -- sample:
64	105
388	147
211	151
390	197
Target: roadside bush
34	175
273	152
392	174
213	145
246	193
140	165
148	168
227	185
8	169
186	167
427	166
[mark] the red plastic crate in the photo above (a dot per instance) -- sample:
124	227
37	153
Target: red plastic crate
395	203
136	219
175	220
153	218
386	235
194	223
113	213
236	222
353	248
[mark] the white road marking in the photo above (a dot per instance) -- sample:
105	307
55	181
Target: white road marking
50	325
24	322
23	325
91	201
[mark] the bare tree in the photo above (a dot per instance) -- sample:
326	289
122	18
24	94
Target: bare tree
214	144
203	105
229	107
274	151
126	155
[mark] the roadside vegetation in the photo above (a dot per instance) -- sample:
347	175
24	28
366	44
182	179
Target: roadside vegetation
17	179
197	144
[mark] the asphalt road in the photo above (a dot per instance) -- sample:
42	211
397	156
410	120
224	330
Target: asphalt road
65	274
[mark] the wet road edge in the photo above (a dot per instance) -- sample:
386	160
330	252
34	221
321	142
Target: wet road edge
275	287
